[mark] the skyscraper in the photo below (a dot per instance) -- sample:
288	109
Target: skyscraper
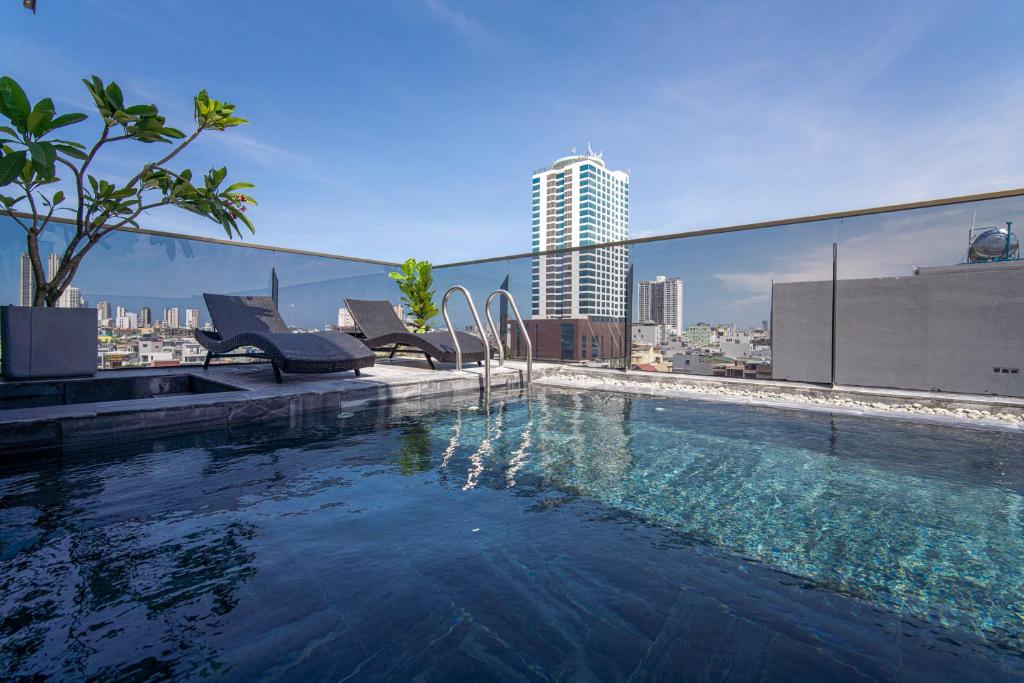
145	317
52	266
191	318
70	298
171	317
103	311
661	301
27	281
578	202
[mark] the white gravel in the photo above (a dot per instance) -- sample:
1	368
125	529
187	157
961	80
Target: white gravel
766	396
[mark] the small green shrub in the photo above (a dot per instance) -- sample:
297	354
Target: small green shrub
415	281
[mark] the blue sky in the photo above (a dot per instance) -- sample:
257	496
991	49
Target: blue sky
388	129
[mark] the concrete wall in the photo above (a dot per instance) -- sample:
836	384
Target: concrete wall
946	329
802	331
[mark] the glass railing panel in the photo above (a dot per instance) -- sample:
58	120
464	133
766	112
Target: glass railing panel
574	304
931	299
703	305
480	279
312	289
148	289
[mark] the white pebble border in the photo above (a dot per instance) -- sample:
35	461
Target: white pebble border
981	416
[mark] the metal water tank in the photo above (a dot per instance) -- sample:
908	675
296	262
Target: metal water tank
990	243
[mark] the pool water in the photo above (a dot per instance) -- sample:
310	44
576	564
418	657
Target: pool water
574	536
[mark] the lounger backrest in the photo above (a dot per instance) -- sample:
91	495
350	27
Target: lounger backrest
233	315
375	318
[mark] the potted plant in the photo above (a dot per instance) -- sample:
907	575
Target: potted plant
44	339
415	281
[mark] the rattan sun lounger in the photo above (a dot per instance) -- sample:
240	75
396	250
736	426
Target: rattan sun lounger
253	321
384	330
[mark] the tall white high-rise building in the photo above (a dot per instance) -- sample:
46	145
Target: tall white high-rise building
578	202
26	281
127	321
145	317
70	298
171	317
192	318
52	266
103	311
661	301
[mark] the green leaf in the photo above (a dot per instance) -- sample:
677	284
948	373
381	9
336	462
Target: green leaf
40	117
142	110
58	197
64	120
70	151
15	102
44	155
238	186
8	131
115	95
11	167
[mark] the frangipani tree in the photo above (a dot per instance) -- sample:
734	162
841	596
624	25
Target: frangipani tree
32	161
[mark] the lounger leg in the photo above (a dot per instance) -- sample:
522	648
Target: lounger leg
393	351
206	363
430	362
480	363
357	372
277	372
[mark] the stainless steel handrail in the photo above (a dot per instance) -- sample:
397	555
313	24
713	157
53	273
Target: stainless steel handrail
522	330
480	331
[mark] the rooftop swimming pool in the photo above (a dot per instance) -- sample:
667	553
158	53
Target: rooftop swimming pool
576	535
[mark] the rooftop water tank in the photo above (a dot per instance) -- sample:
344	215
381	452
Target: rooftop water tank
988	244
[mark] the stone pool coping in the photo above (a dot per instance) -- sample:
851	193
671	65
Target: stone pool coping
260	398
972	410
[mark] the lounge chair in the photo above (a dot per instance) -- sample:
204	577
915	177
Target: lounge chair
254	321
384	331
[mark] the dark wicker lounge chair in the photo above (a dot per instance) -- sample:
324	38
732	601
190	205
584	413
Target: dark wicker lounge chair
254	321
384	331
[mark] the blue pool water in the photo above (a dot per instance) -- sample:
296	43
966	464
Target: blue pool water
575	536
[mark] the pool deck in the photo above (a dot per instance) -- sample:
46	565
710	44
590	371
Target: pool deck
258	397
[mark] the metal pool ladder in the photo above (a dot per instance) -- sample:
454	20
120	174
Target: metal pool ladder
482	333
522	332
479	326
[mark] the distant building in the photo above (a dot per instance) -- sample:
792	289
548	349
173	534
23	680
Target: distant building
956	328
700	335
127	321
571	340
661	301
346	323
26	281
70	298
578	202
145	317
191	318
171	317
119	312
103	310
648	332
738	344
691	362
